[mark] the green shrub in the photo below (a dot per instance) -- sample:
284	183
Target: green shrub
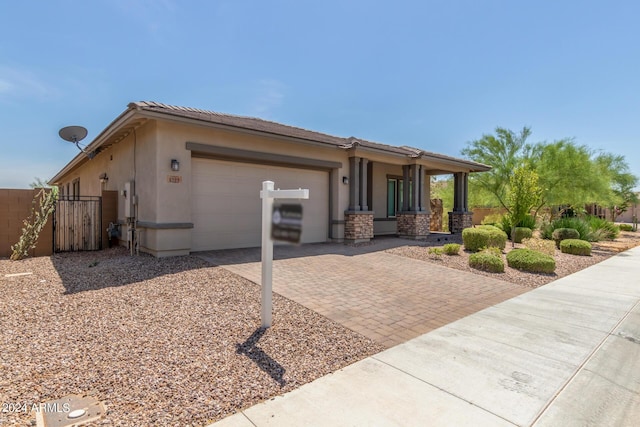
506	225
531	261
498	226
521	233
625	227
575	247
545	246
560	234
486	261
483	236
576	223
475	239
601	229
497	237
528	221
435	251
451	249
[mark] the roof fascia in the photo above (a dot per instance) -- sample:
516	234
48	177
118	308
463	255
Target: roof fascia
97	142
409	160
205	123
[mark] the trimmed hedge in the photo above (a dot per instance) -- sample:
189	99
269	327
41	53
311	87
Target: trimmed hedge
531	261
474	239
451	249
521	233
484	236
575	247
486	261
625	227
560	234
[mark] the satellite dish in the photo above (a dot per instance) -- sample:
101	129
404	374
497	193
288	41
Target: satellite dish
73	134
76	134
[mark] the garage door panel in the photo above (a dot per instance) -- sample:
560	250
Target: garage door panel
226	205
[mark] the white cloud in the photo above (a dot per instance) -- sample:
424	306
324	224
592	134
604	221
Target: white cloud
23	83
269	96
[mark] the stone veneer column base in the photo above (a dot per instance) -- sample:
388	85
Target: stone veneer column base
458	221
358	226
413	225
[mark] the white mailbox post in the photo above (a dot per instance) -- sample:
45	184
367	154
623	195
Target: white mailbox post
268	194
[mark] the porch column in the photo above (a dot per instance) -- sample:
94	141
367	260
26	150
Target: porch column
414	221
358	219
405	188
354	183
426	191
363	184
460	218
456	198
415	180
465	196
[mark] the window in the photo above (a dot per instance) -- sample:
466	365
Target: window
394	196
76	189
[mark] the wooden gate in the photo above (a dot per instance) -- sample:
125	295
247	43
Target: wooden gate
77	224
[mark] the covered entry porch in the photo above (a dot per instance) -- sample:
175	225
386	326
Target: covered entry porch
394	198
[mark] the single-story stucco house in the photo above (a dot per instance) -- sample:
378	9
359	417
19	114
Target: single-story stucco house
189	180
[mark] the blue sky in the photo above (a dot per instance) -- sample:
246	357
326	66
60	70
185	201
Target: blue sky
430	74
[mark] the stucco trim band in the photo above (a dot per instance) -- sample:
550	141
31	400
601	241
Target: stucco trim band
226	153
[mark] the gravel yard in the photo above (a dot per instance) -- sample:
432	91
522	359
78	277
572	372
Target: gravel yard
565	264
161	342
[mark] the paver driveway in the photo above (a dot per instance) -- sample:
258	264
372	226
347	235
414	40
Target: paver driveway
386	297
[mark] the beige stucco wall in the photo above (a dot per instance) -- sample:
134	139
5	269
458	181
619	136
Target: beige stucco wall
172	139
117	161
164	196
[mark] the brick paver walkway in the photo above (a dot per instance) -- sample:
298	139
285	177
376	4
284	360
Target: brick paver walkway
386	297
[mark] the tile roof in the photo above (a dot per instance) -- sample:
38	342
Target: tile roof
266	126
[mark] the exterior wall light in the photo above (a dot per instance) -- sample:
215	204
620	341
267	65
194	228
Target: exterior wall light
175	165
345	180
103	177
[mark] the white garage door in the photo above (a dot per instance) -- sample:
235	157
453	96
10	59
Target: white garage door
226	204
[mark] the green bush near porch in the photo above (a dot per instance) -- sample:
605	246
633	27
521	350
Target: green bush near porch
484	236
487	261
451	249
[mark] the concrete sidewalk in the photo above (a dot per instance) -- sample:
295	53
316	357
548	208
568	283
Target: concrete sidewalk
565	354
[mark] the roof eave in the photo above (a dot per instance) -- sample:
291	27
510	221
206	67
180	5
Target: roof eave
95	145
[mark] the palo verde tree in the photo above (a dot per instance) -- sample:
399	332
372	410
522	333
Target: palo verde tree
623	182
504	152
568	173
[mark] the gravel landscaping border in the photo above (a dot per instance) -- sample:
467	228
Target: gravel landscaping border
166	342
565	263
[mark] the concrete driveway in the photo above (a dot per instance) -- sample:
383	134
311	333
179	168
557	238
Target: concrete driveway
386	297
